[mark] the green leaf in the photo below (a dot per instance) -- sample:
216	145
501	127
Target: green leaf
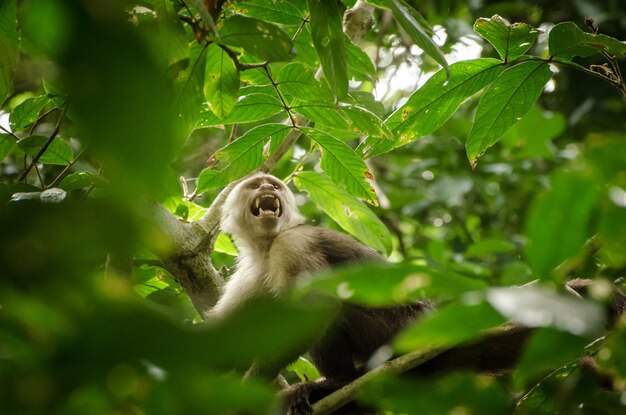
342	164
304	369
298	80
548	349
221	81
264	40
328	39
343	116
279	11
321	113
55	93
386	284
525	140
363	120
360	66
9	45
253	107
27	112
442	329
567	41
171	35
489	246
557	224
506	101
224	245
433	104
80	180
510	40
7	142
58	152
189	87
241	156
352	215
416	27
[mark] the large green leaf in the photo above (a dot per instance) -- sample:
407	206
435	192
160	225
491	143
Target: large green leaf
9	44
433	104
221	81
557	225
567	41
506	101
58	152
253	107
328	39
510	40
241	156
416	27
352	215
443	328
548	349
342	164
343	116
298	80
7	142
385	284
360	66
171	36
279	11
264	40
365	121
189	87
27	112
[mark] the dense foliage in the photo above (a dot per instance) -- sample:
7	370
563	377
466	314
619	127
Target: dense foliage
476	153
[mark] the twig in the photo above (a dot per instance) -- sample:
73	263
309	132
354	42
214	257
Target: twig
60	175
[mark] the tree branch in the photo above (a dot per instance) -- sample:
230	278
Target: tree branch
346	394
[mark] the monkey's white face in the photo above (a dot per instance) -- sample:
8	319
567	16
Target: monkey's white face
261	205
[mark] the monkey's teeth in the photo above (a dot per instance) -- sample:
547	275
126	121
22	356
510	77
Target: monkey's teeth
277	204
257	202
278	210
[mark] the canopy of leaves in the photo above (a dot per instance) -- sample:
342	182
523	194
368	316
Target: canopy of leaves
478	145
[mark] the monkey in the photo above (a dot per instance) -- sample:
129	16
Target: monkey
276	248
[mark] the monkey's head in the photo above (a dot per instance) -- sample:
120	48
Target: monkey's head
260	206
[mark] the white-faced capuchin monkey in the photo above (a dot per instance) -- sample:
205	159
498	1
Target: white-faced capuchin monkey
276	248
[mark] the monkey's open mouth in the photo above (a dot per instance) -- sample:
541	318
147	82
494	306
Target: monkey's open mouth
266	206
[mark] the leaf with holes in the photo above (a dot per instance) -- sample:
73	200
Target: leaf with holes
342	164
506	101
510	40
567	41
349	213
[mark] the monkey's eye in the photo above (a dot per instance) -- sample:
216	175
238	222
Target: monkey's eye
277	187
253	186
